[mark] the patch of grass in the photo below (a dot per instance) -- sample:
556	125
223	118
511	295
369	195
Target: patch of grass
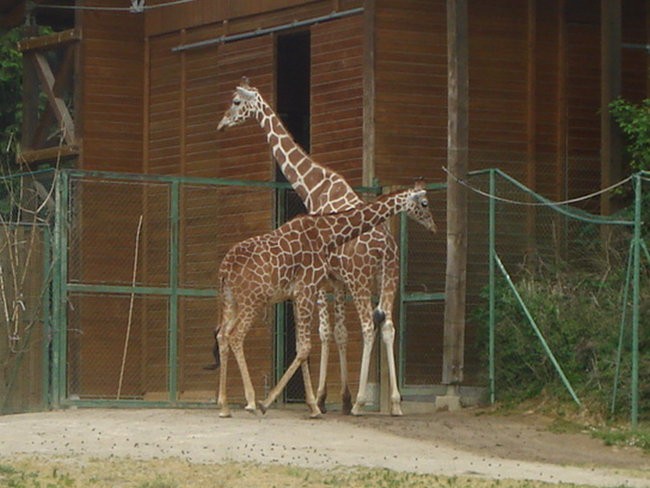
624	437
34	472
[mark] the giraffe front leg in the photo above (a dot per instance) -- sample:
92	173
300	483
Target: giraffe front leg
324	333
341	338
222	400
249	391
304	306
388	338
368	341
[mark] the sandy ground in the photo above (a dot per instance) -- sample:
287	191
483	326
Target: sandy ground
470	442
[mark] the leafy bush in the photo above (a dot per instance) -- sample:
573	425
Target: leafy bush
634	121
11	71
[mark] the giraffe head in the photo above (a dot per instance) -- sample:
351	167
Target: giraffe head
245	103
418	207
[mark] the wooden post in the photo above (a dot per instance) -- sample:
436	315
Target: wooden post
610	89
457	140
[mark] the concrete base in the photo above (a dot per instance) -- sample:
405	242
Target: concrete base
450	401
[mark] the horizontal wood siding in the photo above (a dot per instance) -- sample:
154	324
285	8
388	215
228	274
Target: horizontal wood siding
411	90
548	100
337	96
112	53
583	98
241	15
164	138
498	85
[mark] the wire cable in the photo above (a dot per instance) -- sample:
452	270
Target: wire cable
137	6
546	203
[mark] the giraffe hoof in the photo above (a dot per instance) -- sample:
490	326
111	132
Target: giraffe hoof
225	415
321	405
346	404
316	415
251	409
262	407
357	411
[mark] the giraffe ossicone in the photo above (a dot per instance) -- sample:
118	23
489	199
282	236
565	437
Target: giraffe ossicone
359	265
292	263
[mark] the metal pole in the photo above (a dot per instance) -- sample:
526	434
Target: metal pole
403	274
636	270
619	353
538	332
59	299
174	241
491	284
268	30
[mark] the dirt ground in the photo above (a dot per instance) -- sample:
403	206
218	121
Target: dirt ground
472	442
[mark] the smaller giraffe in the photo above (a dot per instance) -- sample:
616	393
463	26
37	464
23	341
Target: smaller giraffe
292	263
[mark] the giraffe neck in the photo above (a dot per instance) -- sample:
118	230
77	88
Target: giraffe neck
321	190
343	227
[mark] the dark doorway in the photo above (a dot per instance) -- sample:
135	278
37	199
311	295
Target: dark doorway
293	80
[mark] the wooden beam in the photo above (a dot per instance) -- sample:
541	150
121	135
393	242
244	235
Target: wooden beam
52	41
48	154
29	99
531	118
610	89
457	142
56	102
369	33
561	121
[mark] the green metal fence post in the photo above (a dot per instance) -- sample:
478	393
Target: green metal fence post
174	241
636	271
491	285
58	371
621	335
279	353
48	322
403	274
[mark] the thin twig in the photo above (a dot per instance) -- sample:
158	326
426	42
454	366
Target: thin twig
128	325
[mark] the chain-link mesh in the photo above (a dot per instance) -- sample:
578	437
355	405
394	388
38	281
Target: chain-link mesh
571	270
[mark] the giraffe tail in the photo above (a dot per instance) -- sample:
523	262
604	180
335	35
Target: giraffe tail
378	317
215	354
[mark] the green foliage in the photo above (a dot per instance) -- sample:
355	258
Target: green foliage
579	314
11	70
634	121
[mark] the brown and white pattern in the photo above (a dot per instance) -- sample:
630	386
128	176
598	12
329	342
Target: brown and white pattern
360	264
293	262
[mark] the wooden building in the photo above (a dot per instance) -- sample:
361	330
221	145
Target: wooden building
367	81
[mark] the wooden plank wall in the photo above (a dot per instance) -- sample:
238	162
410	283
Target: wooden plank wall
336	96
111	95
411	91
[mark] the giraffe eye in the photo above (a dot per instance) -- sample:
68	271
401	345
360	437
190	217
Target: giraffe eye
424	202
236	102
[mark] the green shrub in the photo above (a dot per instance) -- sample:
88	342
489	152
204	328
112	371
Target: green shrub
579	315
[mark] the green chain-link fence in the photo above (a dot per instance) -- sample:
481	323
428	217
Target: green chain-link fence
127	279
564	293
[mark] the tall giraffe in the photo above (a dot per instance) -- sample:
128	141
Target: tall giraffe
292	262
373	257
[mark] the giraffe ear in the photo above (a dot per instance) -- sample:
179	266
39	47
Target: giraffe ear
245	82
245	93
419	184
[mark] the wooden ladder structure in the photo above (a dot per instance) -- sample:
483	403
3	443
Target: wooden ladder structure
49	132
